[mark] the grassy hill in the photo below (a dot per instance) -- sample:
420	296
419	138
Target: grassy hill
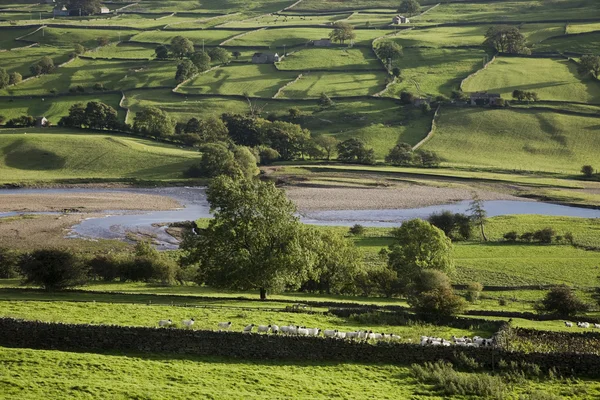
516	140
30	155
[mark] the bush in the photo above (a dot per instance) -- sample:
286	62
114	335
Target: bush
431	293
98	86
105	266
544	236
8	264
53	269
23	121
474	290
561	301
587	171
357	230
526	237
511	236
456	226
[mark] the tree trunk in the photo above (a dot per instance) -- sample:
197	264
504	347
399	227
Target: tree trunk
485	239
263	294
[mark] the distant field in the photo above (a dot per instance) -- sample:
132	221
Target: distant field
8	36
515	140
378	19
583	27
54	109
432	72
124	50
588	43
336	84
56	154
114	75
195	21
551	79
138	21
261	80
332	5
283	20
335	59
210	38
20	60
276	38
86	37
212	6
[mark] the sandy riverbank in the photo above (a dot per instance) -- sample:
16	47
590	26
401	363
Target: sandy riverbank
397	197
85	202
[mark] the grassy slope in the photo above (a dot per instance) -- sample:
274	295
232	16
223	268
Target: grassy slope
64	154
210	38
582	44
277	38
8	36
551	79
20	60
334	84
335	59
515	140
86	37
124	50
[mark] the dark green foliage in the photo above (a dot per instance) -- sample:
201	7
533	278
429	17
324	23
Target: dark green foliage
522	95
15	78
21	122
406	97
430	293
409	7
52	269
84	7
357	230
243	130
562	302
78	49
474	290
95	115
201	60
354	151
153	121
587	171
388	50
198	132
161	52
544	236
267	155
506	39
181	47
589	64
401	154
44	66
294	112
8	264
4	78
325	101
219	55
327	143
455	226
217	160
98	86
105	266
511	236
342	31
286	138
185	70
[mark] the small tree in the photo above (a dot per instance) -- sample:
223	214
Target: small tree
511	236
406	97
409	7
506	39
185	70
428	158
478	215
15	78
354	150
4	78
53	269
44	66
357	230
545	235
474	290
388	50
219	55
587	171
294	113
325	101
236	54
400	155
562	302
78	49
153	121
328	143
161	52
8	264
342	31
430	293
201	60
103	41
589	64
181	47
84	7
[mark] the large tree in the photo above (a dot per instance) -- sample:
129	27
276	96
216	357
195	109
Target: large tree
418	246
201	60
243	129
506	39
478	215
409	7
589	64
328	144
286	138
341	32
254	240
354	150
220	55
185	70
84	7
181	47
388	50
53	269
153	121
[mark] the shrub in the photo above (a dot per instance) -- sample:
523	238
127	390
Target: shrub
474	290
544	235
526	237
8	264
105	266
431	293
80	88
21	122
15	78
98	86
511	236
53	269
502	302
587	171
561	301
356	230
325	101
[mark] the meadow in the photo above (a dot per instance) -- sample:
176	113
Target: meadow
520	140
551	79
279	20
54	155
206	37
113	75
8	36
331	59
20	60
123	50
335	84
588	43
583	27
88	38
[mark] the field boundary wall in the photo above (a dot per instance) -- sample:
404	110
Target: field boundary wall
431	131
474	74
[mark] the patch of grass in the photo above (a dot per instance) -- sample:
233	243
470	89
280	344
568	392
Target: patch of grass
441	37
334	59
58	154
123	50
582	44
208	37
334	84
515	140
551	79
212	6
114	75
284	20
88	38
8	36
261	80
583	27
435	71
20	60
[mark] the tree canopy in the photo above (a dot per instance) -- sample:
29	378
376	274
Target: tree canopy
220	55
87	7
201	60
342	31
181	47
388	50
506	39
94	115
409	7
354	150
4	78
154	122
589	64
185	70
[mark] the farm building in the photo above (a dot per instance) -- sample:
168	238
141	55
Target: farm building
399	19
264	58
484	99
63	12
41	122
104	10
325	42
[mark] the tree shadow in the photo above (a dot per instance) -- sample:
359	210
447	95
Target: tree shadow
21	155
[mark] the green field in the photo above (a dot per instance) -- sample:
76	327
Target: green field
212	6
588	43
583	27
209	38
88	38
260	80
124	50
20	60
8	36
284	20
56	155
55	109
114	75
551	79
336	59
515	140
431	72
334	84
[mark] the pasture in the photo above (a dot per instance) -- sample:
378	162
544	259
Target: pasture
279	20
256	80
519	140
54	155
335	84
123	50
88	38
206	37
8	36
335	59
20	60
551	79
113	75
583	27
587	43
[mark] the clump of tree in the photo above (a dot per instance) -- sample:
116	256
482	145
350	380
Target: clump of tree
523	95
328	144
219	55
14	78
181	47
456	226
356	230
217	159
8	264
387	50
23	121
201	60
430	293
589	64
84	7
4	78
478	215
506	39
543	236
196	132
325	101
562	302
52	269
409	7
161	52
44	66
403	155
473	292
354	151
342	32
94	115
185	70
153	121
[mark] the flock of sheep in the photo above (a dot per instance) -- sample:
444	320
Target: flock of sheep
584	325
464	341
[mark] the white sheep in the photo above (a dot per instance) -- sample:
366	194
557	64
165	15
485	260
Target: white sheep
188	322
341	335
302	332
224	326
330	333
568	324
314	332
275	329
248	328
293	330
352	335
165	322
362	334
597	326
285	329
263	328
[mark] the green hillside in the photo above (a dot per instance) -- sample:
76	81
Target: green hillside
524	140
30	155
